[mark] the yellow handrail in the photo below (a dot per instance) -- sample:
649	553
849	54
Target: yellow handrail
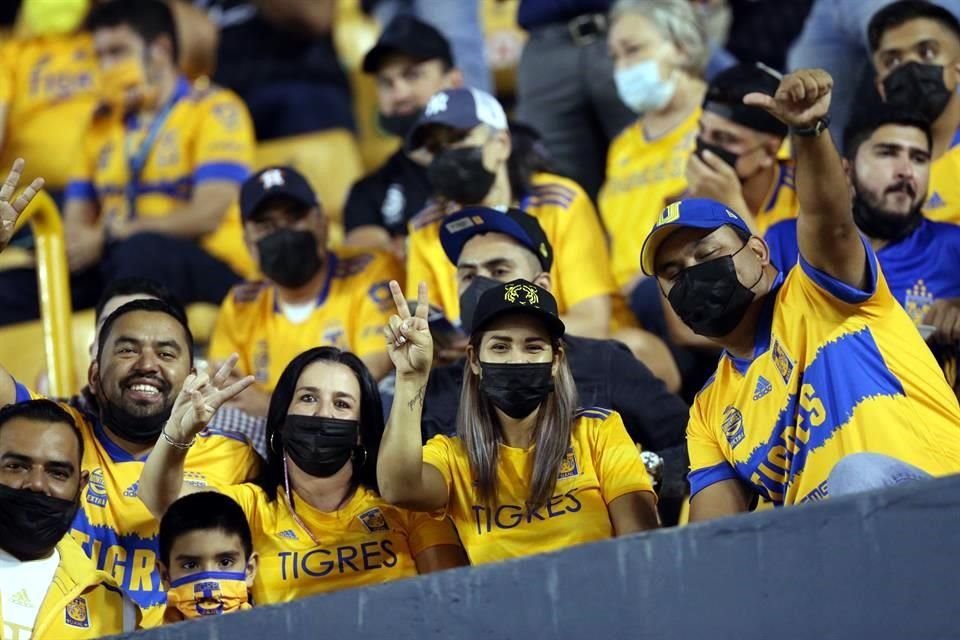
53	280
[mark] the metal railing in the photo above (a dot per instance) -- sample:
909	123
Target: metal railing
53	281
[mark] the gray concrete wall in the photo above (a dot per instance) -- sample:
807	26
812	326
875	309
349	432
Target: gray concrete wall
881	565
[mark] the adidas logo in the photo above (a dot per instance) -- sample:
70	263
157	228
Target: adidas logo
21	599
934	201
131	491
288	534
763	388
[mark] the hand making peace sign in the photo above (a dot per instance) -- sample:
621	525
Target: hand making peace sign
201	397
10	211
409	342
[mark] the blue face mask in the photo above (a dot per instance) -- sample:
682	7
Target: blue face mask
642	89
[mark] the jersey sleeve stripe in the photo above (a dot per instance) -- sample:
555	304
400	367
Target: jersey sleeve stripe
80	190
22	393
229	171
703	478
841	290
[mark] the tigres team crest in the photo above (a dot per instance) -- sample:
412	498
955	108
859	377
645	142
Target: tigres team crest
568	466
782	361
523	294
209	598
76	614
733	425
918	301
374	520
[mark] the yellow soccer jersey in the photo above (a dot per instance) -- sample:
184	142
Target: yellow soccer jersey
642	177
601	465
366	542
581	265
943	199
836	371
206	135
49	87
115	528
352	309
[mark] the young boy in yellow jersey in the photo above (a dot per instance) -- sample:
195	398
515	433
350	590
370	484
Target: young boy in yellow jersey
915	50
154	188
206	557
312	295
824	387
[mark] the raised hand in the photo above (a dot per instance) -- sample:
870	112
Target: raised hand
802	98
201	397
409	342
10	211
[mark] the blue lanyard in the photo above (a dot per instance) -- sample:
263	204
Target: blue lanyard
138	160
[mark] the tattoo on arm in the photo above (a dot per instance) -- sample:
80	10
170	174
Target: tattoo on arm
417	399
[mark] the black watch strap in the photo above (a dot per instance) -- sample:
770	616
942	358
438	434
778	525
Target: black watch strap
818	127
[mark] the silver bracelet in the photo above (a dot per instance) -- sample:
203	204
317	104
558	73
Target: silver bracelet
183	446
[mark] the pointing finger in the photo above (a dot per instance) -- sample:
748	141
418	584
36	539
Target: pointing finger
399	300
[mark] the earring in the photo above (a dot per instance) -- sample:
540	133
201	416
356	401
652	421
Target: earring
358	450
273	443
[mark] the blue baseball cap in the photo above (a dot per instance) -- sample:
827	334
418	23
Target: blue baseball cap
458	228
699	213
461	109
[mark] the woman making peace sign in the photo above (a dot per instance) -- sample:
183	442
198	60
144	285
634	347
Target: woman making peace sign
527	472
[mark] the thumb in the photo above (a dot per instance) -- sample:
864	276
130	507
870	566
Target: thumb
762	100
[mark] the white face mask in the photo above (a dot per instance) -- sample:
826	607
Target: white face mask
642	89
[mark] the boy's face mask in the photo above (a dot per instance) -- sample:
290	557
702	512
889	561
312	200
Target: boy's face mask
209	593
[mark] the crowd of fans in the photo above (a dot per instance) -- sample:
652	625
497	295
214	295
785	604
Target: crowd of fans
678	282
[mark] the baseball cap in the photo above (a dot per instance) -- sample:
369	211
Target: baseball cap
517	296
699	213
726	91
458	228
274	182
406	34
462	109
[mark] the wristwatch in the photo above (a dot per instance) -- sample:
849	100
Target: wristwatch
813	131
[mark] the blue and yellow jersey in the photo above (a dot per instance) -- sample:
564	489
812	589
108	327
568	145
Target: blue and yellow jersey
580	270
351	311
49	87
207	135
114	527
835	371
364	543
643	176
943	201
601	465
919	269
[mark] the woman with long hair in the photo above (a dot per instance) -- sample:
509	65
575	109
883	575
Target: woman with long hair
317	519
527	472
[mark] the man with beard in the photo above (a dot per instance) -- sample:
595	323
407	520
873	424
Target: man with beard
48	587
887	158
312	295
411	62
915	48
824	387
144	355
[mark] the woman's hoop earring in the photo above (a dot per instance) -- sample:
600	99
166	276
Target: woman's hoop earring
360	449
273	443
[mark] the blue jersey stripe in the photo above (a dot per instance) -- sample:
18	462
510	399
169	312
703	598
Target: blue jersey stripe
703	478
841	290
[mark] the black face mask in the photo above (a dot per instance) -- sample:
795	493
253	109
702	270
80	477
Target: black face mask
320	446
727	156
470	297
884	225
917	88
709	298
289	257
130	427
398	125
459	175
33	523
516	389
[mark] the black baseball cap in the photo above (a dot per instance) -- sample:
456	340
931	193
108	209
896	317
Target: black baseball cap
458	228
727	89
517	296
415	38
275	182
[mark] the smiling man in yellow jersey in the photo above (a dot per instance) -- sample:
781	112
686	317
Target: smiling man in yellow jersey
915	48
312	295
783	418
153	193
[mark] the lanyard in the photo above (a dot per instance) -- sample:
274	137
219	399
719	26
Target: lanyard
137	160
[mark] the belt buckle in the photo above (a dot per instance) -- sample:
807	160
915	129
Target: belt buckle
584	29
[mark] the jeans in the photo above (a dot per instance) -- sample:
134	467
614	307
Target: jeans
834	38
859	472
459	21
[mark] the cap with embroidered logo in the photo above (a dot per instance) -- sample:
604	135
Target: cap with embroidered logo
699	213
274	182
460	109
517	296
460	227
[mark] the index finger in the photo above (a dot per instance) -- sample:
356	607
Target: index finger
399	300
223	373
13	178
423	302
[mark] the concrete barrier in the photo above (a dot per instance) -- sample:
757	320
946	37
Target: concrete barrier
880	565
